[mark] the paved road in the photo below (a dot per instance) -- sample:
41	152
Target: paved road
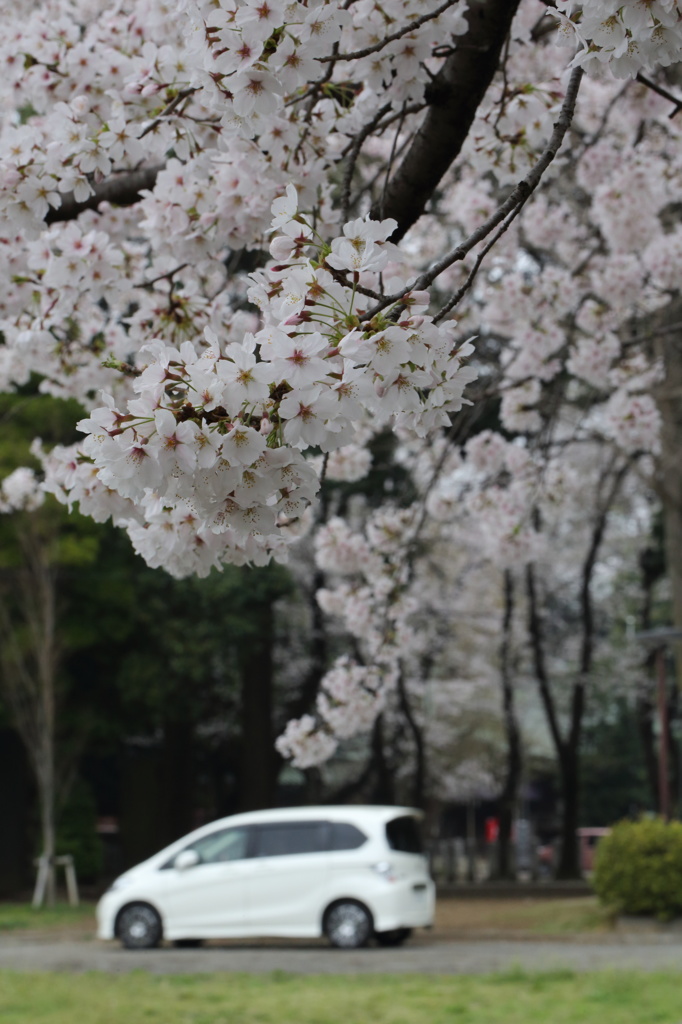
461	957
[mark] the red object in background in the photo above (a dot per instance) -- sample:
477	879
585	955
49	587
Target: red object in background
492	830
588	839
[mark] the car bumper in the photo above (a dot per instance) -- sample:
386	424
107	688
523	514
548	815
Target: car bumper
106	912
404	905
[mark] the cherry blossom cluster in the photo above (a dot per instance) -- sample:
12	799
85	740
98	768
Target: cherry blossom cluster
100	88
372	598
20	491
627	36
254	54
211	444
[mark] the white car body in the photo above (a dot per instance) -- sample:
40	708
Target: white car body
265	892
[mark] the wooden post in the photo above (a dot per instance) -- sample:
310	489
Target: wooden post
44	866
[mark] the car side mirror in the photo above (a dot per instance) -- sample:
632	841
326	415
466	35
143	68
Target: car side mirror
186	859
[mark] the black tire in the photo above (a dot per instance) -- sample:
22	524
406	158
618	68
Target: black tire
348	924
393	938
138	926
188	943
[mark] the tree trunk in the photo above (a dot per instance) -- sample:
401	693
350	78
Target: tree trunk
569	859
384	789
668	397
508	797
46	799
29	672
259	761
178	777
652	567
645	727
418	793
38	589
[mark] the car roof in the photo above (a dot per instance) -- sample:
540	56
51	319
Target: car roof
362	815
325	812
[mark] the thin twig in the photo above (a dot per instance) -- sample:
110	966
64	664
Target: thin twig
342	278
389	165
461	292
173	105
643	80
517	198
410	27
169	275
649	335
353	155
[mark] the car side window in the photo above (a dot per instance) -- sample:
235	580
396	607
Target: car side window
345	836
278	840
228	844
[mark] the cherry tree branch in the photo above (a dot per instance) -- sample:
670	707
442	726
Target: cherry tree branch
121	190
410	27
511	205
461	292
353	155
643	80
537	645
174	103
378	123
454	97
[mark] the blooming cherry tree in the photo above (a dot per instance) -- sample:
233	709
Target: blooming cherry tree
236	231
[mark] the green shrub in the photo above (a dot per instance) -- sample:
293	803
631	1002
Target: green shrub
638	868
77	833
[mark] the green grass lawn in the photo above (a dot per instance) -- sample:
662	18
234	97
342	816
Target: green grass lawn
20	916
556	997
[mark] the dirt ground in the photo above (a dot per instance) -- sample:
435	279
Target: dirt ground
529	917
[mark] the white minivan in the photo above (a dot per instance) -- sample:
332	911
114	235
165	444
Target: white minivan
350	873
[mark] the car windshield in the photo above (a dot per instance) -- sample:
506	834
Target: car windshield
228	844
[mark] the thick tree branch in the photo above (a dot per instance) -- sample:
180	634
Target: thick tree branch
508	209
587	611
419	780
537	641
598	531
665	93
120	189
454	96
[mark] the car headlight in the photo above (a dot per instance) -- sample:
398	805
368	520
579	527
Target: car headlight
119	883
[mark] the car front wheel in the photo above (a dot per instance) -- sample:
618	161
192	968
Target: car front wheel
139	926
348	925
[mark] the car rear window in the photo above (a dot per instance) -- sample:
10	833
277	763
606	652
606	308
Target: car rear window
403	835
345	836
292	837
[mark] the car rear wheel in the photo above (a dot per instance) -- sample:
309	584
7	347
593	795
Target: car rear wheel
139	926
393	938
348	925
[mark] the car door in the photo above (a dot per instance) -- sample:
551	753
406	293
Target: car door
208	899
289	882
